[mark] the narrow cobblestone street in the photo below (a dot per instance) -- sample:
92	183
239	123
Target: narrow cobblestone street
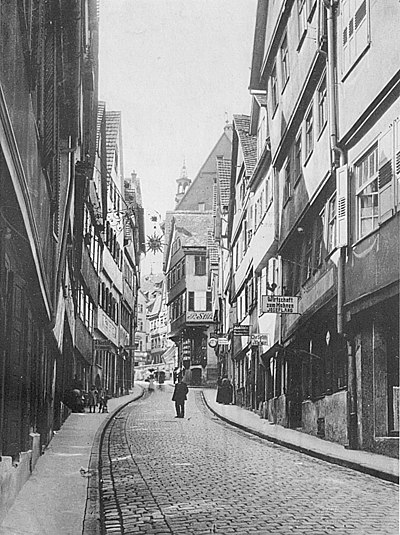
199	475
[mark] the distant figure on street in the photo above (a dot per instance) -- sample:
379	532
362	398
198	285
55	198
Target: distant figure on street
103	401
180	396
219	390
227	391
93	399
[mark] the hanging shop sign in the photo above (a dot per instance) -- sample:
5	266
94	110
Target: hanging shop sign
260	339
279	304
241	330
223	341
100	345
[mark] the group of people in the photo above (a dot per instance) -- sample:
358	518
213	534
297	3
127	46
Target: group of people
98	398
77	399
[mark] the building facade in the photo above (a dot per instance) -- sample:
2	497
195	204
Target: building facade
48	90
326	271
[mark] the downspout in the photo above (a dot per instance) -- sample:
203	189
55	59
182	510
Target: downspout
339	157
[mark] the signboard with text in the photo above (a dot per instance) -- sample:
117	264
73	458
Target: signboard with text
241	330
279	304
199	316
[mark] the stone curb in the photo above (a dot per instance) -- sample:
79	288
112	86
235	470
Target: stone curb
319	455
92	518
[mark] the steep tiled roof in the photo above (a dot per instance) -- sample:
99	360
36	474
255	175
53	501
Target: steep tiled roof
113	122
247	142
193	227
224	180
101	108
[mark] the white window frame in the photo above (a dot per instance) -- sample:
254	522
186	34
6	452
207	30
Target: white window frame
366	177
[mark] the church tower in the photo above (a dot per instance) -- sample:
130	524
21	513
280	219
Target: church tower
183	183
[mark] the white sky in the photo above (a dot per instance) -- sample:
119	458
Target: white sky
173	68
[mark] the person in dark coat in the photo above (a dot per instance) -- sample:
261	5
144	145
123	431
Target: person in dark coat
227	391
180	396
219	398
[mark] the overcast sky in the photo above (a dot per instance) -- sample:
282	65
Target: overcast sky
173	68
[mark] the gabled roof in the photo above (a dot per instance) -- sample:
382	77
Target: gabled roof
248	142
191	228
200	190
113	123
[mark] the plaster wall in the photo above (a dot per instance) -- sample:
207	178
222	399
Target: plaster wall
333	409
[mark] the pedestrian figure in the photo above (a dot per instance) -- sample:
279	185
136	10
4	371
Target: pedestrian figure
219	390
93	399
227	391
103	401
180	396
151	382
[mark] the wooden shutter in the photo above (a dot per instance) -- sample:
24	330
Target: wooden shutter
385	175
342	205
345	7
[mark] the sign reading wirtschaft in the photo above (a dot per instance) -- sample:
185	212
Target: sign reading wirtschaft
279	304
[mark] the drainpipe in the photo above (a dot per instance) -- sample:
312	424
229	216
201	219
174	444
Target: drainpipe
339	158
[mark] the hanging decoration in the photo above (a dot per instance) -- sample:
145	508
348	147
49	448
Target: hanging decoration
154	243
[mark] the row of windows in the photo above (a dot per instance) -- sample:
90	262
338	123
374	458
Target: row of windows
305	13
179	270
298	156
126	318
310	250
112	244
91	240
108	302
195	301
176	274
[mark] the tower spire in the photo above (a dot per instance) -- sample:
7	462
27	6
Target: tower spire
183	183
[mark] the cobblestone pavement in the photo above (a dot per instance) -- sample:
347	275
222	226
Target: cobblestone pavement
198	476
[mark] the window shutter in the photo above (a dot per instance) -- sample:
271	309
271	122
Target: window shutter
345	36
360	27
397	158
385	175
342	205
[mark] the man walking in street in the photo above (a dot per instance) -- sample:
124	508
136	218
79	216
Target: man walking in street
180	396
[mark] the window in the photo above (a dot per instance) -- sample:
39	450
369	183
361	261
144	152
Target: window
284	61
298	163
287	184
191	301
209	301
319	239
331	237
202	206
308	257
309	132
200	265
322	115
261	131
366	172
355	36
274	90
